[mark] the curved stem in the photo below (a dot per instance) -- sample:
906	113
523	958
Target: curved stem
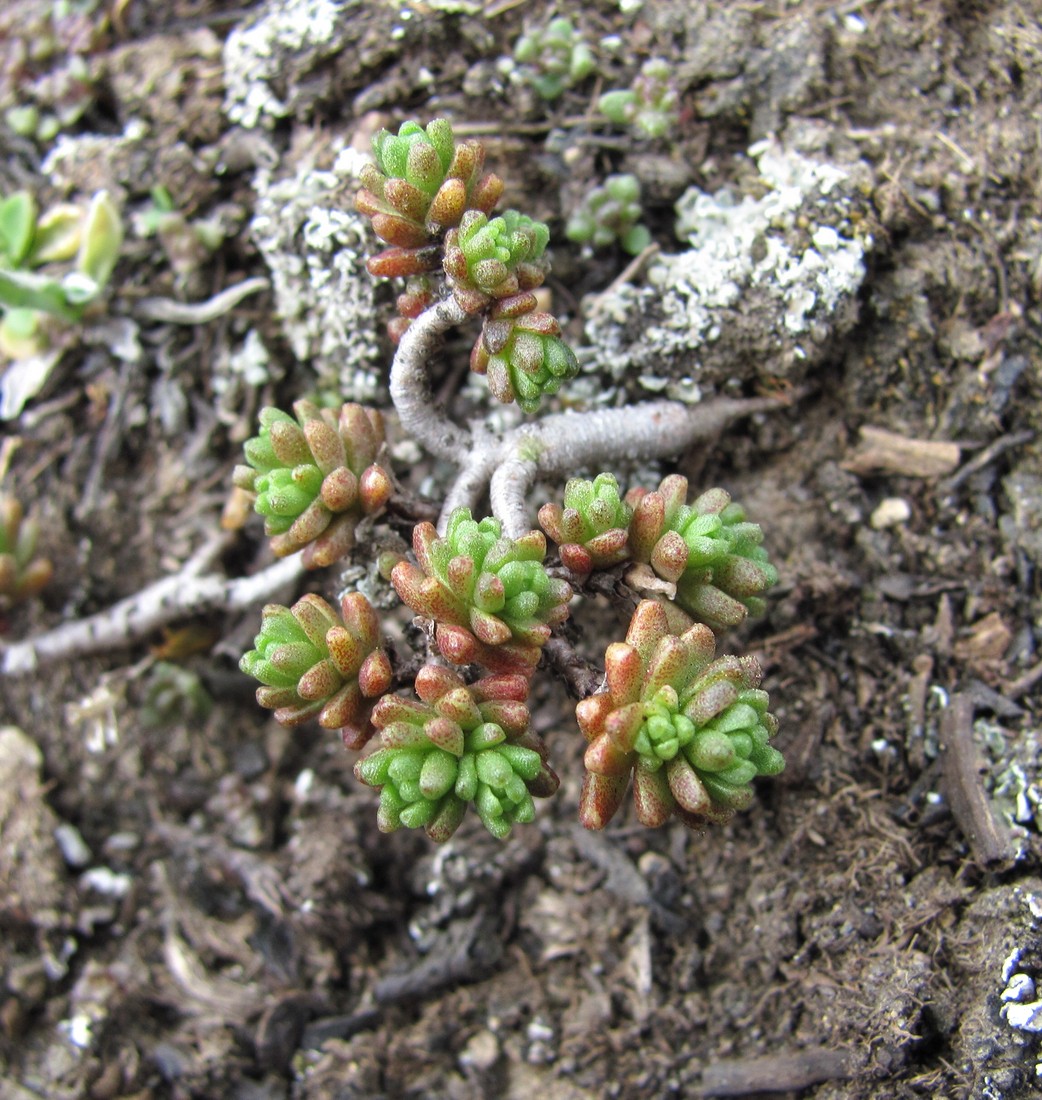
410	383
565	442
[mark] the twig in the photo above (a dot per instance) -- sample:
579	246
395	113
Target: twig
182	595
173	312
986	457
581	677
991	845
787	1072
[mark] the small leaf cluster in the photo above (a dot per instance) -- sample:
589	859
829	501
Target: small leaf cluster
609	214
553	58
313	663
54	263
592	529
651	105
693	732
423	183
491	598
457	745
707	548
315	477
22	573
426	198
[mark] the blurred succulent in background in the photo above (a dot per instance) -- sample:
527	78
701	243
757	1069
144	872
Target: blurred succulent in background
22	573
609	214
187	244
313	663
706	548
459	745
692	731
174	695
75	247
651	105
315	477
553	58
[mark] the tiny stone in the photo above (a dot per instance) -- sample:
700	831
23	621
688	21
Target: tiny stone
1024	1017
73	847
481	1052
1021	988
890	513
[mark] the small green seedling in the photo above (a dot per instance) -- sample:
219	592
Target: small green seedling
553	58
651	106
56	264
611	214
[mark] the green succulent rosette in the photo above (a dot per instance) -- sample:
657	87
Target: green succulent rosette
457	746
315	477
523	357
22	573
592	528
314	663
421	184
494	259
691	730
490	597
707	548
553	58
609	214
651	105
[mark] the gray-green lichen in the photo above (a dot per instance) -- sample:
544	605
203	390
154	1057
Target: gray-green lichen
255	56
315	247
277	63
768	284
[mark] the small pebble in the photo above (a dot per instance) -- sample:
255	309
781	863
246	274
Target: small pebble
1024	1017
890	512
1020	988
73	847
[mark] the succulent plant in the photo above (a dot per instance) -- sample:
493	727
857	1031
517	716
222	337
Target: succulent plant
490	596
174	695
313	663
706	548
524	358
611	213
22	573
458	745
692	731
651	105
592	529
422	183
488	260
553	58
315	477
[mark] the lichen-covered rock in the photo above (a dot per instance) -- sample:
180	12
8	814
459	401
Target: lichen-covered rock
315	248
276	64
768	285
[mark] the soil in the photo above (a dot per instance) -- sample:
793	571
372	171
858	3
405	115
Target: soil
197	903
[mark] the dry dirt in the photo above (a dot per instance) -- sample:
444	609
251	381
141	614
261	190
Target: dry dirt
198	904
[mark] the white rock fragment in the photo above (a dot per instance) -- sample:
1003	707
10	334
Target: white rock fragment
890	512
74	848
1020	988
1024	1017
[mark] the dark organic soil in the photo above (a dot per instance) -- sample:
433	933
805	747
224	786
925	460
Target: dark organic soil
235	925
